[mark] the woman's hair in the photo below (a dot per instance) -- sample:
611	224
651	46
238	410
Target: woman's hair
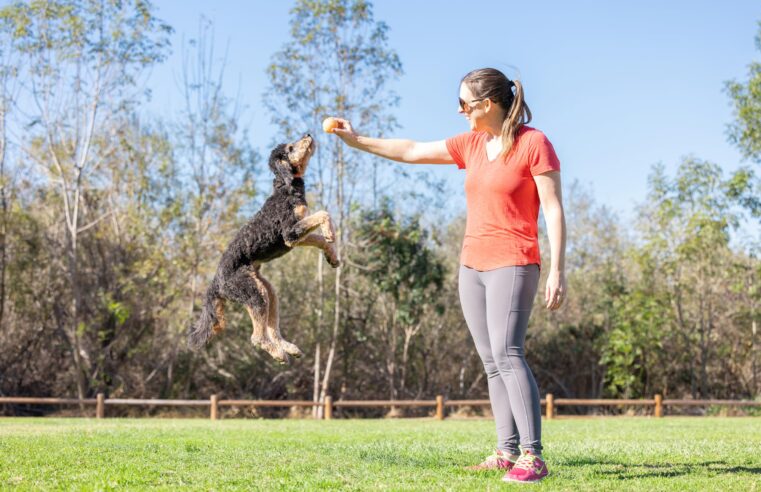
490	83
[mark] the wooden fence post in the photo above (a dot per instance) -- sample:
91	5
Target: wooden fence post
550	406
100	406
658	406
328	407
214	407
439	407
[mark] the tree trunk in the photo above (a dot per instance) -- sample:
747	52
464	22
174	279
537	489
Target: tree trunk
391	365
408	334
754	376
316	410
339	248
687	341
3	207
76	290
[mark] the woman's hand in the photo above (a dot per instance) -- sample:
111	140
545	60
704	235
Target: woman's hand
555	292
346	132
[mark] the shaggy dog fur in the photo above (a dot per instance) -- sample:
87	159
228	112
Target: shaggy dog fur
280	225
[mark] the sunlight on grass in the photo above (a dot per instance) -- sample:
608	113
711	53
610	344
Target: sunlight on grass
410	454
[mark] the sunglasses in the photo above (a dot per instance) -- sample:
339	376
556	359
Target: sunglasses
466	106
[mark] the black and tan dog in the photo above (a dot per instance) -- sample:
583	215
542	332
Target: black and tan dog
280	225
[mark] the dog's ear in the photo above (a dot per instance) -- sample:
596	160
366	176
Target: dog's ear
280	166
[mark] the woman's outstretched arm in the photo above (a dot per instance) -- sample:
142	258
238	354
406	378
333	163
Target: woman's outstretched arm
396	149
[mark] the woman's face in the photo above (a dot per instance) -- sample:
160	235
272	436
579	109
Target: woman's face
471	107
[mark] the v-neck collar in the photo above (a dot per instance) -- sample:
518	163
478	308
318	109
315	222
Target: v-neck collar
486	150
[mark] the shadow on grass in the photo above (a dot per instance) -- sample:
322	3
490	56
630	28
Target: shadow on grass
625	471
602	468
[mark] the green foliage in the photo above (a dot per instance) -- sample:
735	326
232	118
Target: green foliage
686	225
338	62
632	347
745	131
117	309
400	263
667	304
744	187
122	37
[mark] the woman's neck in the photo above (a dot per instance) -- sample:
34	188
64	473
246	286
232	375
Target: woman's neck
493	125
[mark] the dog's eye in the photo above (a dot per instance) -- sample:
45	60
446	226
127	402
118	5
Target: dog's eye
290	148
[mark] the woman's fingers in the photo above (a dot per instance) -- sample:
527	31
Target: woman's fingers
553	301
559	296
554	296
344	126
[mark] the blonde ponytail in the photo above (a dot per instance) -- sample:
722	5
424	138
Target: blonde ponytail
515	117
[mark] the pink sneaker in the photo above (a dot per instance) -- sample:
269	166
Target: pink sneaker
528	469
497	461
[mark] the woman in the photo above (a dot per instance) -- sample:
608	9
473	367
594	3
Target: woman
510	169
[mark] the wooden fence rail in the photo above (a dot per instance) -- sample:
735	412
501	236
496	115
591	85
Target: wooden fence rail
550	403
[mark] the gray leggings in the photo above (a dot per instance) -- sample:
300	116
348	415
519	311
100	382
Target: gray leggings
497	305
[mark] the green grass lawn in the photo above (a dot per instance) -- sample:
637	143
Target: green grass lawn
408	454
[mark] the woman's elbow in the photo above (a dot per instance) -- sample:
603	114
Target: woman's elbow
553	210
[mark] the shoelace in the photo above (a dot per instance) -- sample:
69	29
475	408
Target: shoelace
496	458
526	462
493	458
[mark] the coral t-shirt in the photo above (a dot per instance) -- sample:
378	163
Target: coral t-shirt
501	197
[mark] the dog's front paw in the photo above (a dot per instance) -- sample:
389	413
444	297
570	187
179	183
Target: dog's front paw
291	238
272	348
291	349
275	350
333	260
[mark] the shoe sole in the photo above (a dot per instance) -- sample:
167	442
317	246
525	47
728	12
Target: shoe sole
510	480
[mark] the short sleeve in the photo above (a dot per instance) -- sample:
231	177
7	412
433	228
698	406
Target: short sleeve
542	155
457	147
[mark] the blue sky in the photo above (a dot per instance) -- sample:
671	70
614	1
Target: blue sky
616	86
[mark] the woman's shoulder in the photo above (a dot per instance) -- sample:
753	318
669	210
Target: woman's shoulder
531	132
469	138
532	137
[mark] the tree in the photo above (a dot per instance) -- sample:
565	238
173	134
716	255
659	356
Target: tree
82	60
745	131
9	65
565	347
215	166
337	63
686	224
408	274
745	185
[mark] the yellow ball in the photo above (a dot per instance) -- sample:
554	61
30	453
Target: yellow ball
330	124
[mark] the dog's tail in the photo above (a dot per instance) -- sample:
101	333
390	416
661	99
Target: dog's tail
211	320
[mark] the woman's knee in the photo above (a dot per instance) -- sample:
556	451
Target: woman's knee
509	358
490	365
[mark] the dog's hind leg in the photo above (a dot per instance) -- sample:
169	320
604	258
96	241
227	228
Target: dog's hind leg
219	311
246	287
273	322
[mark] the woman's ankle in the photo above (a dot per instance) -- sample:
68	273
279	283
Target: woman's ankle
511	455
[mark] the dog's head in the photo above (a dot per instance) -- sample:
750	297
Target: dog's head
289	161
